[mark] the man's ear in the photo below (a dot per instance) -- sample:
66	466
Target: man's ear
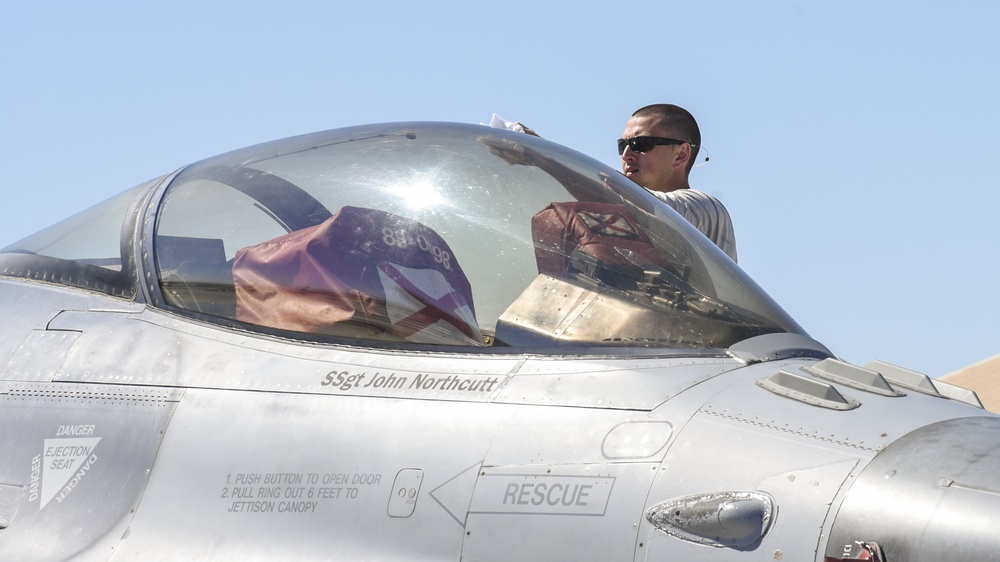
683	155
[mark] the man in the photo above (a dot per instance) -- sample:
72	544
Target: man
658	150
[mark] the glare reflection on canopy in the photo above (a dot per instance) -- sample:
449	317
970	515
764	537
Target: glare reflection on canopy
419	194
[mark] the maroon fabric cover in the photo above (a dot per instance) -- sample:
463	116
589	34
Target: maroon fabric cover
599	229
341	271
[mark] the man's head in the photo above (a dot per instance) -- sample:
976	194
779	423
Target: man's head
664	166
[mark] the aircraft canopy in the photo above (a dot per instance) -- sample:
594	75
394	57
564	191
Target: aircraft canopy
411	233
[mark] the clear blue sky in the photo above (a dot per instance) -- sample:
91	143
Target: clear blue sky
853	142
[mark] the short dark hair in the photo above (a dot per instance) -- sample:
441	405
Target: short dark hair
679	122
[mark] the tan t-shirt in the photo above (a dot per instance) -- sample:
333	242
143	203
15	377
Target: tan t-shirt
706	213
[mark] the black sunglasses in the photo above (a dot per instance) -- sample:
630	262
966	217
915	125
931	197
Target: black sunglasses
644	144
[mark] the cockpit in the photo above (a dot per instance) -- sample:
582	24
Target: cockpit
428	234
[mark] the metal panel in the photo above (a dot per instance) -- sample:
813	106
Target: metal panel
866	428
31	306
11	497
576	436
634	384
69	448
714	454
40	356
930	496
191	355
518	512
310	477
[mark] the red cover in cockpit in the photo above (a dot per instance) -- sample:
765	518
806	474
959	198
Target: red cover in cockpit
364	268
606	231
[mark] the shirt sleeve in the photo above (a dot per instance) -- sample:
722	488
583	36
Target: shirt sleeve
706	213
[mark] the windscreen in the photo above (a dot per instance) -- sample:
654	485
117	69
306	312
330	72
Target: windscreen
86	250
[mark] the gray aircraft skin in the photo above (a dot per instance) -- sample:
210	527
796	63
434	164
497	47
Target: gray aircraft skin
448	342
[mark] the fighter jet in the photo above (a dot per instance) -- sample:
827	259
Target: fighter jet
432	341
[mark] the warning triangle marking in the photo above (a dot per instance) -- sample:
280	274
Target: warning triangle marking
62	459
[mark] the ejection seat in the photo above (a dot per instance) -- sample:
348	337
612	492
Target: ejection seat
362	273
596	239
613	283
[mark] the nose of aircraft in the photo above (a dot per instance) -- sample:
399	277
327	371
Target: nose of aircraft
932	495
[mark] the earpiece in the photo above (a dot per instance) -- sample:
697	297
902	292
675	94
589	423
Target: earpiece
705	161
